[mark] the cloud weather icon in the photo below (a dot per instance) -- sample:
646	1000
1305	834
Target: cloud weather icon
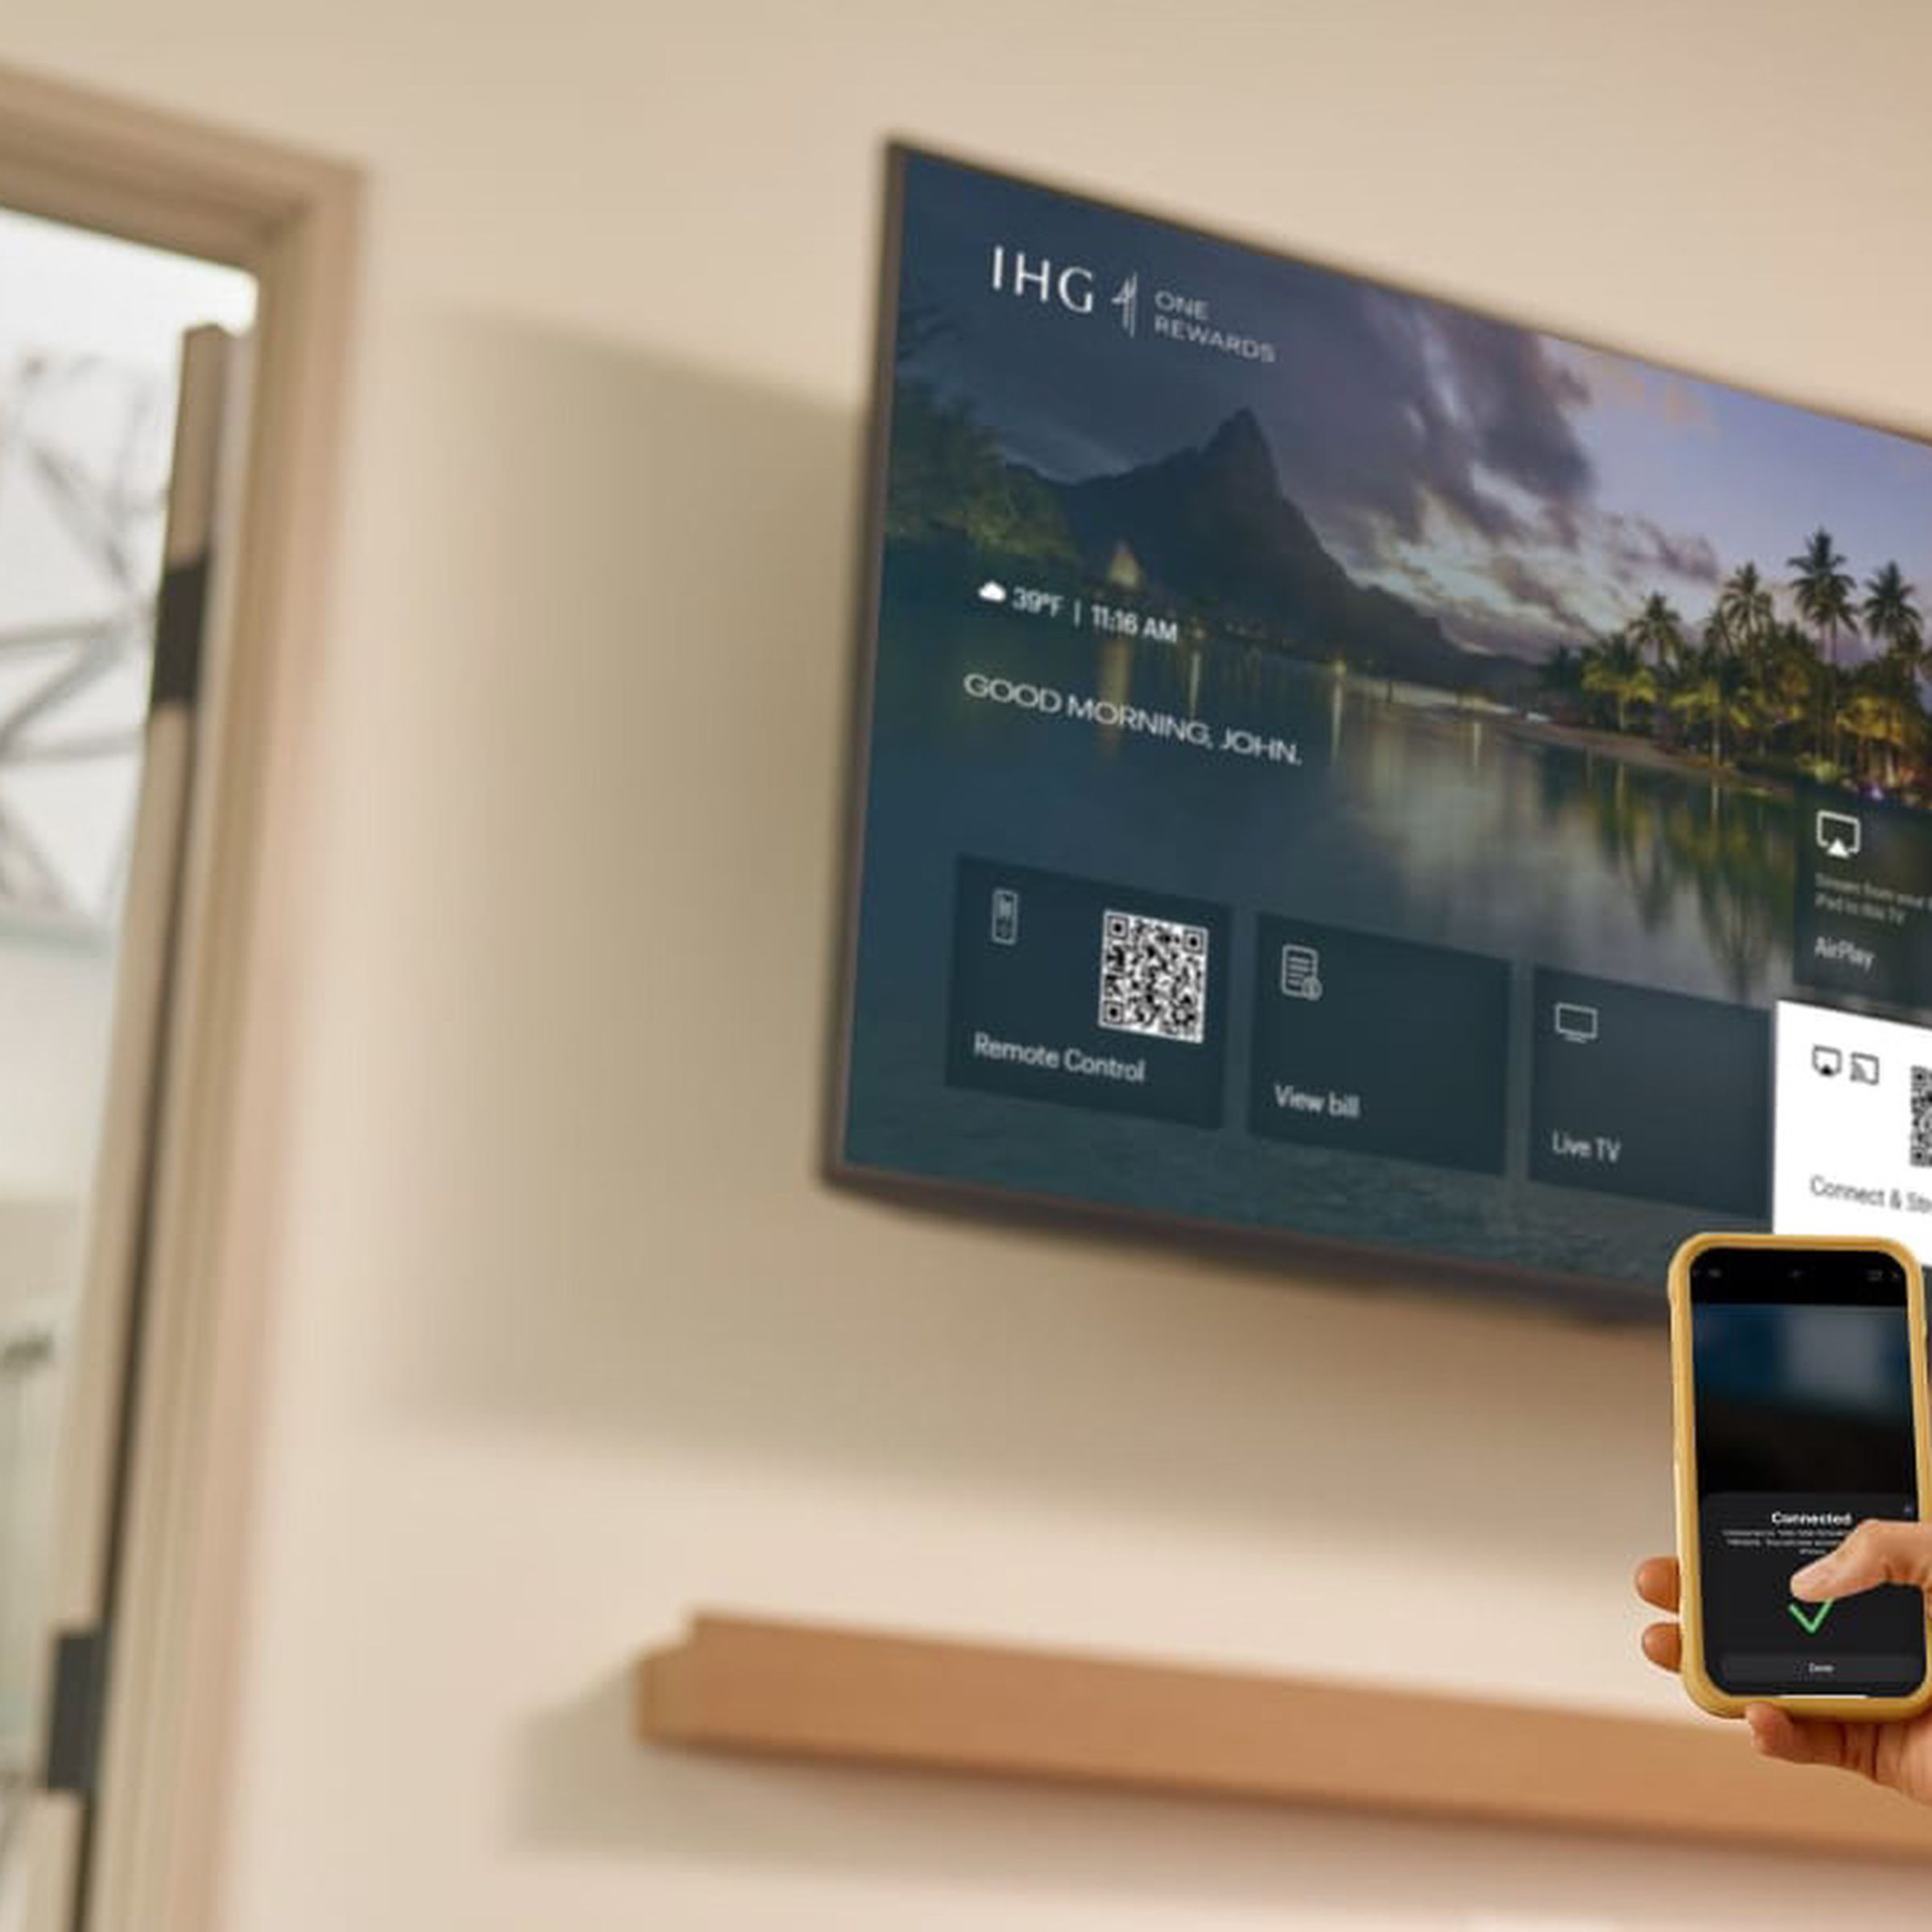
992	591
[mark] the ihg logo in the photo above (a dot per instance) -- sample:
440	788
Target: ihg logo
1068	286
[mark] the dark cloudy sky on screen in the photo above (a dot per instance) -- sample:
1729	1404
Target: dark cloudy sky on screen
1526	491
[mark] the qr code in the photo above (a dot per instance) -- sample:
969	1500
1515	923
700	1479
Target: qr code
1921	1117
1153	977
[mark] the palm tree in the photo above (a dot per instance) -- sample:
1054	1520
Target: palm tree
1713	687
1745	607
1615	670
1726	672
1885	726
1882	712
1563	670
1892	617
1658	629
1562	681
1823	587
1790	678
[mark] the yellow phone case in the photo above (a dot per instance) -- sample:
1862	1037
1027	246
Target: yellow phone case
1697	1679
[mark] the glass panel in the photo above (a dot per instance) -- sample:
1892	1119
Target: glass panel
89	337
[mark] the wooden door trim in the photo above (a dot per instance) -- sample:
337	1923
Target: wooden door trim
293	221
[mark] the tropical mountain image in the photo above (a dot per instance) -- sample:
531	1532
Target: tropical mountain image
1206	530
1409	493
1808	671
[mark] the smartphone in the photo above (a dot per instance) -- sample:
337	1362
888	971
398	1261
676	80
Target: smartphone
1799	1369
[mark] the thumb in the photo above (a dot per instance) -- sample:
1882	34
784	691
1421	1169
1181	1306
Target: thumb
1874	1553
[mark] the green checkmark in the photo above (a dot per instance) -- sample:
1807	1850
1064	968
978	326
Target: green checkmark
1811	1622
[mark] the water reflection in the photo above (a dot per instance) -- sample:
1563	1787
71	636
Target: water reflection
1463	827
1672	839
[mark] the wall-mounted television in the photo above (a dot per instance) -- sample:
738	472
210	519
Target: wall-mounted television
1336	765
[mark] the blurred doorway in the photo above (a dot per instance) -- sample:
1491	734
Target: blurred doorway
119	370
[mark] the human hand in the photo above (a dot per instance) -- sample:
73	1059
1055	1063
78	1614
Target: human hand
1897	1752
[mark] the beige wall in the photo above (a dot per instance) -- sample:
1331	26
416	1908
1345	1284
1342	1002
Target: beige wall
571	1337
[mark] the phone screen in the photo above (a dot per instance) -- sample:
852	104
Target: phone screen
1801	1376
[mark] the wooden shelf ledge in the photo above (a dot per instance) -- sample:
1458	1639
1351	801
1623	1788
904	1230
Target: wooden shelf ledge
742	1686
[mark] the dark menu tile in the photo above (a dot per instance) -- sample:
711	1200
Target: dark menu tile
1863	918
1096	996
1655	1095
1378	1046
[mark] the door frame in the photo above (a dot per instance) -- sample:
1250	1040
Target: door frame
293	221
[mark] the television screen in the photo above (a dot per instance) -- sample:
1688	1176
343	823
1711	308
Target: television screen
1338	765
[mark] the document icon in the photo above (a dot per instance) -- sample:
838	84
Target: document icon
1301	972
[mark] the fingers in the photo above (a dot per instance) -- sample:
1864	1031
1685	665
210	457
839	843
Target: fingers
1874	1553
1813	1740
1658	1583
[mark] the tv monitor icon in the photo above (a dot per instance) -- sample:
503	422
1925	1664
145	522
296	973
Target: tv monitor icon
1575	1023
1841	835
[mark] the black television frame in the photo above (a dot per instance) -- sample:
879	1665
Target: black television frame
1366	1265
